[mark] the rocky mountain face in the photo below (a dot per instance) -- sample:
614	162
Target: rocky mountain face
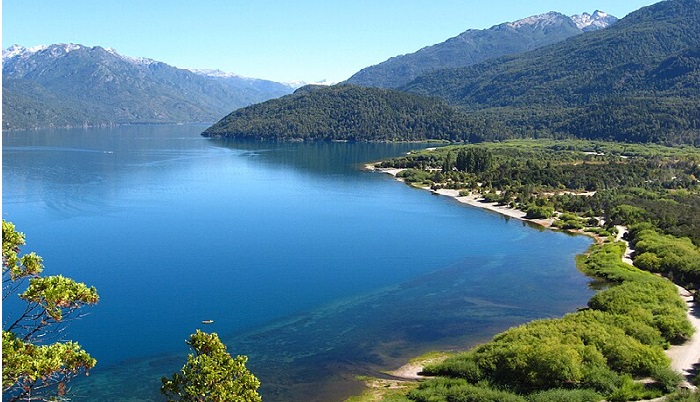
69	85
474	46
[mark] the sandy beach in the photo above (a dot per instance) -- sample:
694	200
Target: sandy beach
473	199
684	357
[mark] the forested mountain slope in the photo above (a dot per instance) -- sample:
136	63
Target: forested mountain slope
637	80
347	112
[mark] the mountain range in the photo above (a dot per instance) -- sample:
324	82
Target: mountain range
588	76
635	81
474	46
638	80
69	85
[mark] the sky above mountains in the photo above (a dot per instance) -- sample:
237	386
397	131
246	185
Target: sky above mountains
304	40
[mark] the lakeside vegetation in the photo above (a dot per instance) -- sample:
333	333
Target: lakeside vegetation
606	349
594	184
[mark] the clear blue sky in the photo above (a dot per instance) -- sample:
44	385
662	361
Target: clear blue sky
307	40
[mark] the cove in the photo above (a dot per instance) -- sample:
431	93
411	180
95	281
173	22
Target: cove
315	269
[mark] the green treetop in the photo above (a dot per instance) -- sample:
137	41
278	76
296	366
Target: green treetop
211	374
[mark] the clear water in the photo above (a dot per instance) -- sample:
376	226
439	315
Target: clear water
315	269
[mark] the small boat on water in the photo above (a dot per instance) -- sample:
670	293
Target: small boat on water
207	321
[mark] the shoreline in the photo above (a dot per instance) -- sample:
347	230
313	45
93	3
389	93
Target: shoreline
683	357
472	199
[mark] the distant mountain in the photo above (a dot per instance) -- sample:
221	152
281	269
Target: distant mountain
474	46
68	85
349	113
638	80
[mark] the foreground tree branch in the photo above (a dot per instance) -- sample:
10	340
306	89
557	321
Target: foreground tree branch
31	368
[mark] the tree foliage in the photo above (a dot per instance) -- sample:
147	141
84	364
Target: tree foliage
211	374
676	258
348	113
33	368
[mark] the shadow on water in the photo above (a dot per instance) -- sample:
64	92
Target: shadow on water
318	156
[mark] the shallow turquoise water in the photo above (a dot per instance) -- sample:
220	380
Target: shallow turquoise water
315	269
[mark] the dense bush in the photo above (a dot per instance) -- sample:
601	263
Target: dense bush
622	334
566	395
620	337
677	258
349	113
456	390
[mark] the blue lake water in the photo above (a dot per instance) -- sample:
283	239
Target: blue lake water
317	270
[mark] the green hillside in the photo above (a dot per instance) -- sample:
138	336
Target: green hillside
635	81
351	113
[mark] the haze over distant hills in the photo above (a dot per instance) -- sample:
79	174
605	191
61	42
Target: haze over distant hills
636	81
474	46
64	85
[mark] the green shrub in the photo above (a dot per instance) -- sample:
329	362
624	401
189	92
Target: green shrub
491	197
684	396
539	212
566	395
456	390
667	379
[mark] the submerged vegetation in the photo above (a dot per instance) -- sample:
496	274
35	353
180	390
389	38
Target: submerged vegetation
606	349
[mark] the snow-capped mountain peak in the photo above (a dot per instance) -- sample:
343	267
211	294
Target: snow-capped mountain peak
207	72
299	84
13	51
61	49
598	20
21	51
549	18
143	61
585	22
56	50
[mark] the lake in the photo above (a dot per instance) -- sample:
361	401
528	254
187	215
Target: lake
315	269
